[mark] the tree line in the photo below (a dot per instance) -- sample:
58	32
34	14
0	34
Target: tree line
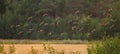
59	19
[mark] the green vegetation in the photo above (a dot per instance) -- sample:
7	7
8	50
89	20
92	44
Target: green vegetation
59	19
42	41
106	46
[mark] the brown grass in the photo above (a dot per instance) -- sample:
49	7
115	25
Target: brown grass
26	48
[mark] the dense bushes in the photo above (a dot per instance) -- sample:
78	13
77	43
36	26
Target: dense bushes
107	46
44	19
71	27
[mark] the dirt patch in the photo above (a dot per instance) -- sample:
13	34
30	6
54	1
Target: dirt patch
25	48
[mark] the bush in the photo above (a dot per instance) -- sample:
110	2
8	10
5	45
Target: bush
107	46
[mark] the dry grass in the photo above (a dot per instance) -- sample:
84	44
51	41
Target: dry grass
67	48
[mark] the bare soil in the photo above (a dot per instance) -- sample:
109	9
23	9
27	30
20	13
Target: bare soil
26	48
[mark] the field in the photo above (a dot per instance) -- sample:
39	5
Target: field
67	48
25	46
105	46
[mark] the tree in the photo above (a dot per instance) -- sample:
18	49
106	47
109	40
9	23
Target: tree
2	6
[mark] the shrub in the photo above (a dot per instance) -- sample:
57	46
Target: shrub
107	46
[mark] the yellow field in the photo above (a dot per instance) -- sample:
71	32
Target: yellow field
67	48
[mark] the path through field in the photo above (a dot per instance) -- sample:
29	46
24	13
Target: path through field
26	48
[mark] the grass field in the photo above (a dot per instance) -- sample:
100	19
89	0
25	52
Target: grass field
105	46
25	46
67	48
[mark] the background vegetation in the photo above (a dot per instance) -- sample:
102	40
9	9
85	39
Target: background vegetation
59	19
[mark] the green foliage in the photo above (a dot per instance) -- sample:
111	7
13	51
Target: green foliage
115	18
2	6
93	8
107	46
44	19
